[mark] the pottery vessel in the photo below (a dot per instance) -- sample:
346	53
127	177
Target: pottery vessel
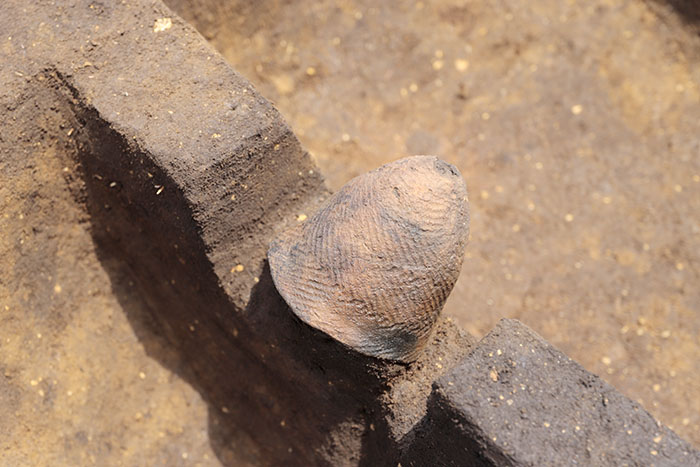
374	266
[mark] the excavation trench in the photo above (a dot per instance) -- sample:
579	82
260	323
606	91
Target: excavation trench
143	179
277	390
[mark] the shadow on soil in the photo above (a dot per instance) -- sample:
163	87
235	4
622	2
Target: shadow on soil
688	10
278	392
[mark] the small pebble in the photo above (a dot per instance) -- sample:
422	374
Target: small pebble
461	64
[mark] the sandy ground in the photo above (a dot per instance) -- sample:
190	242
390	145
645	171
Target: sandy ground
576	127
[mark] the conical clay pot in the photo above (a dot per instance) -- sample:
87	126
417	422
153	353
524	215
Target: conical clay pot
374	266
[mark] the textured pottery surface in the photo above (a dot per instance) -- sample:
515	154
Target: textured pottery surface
374	266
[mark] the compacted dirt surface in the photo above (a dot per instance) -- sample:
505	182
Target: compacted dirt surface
576	127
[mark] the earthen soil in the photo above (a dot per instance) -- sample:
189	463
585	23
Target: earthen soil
576	127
